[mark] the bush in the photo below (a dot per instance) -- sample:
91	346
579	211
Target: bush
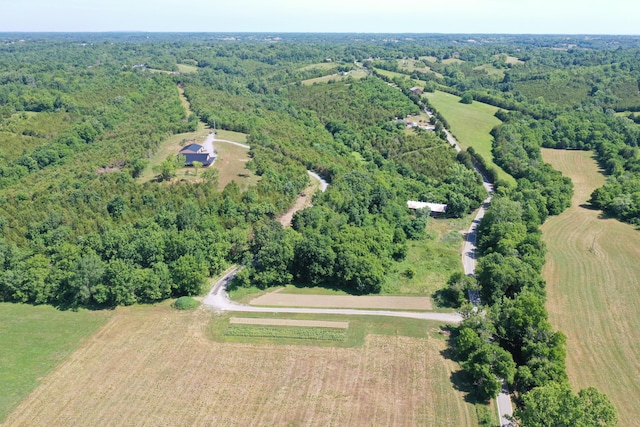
186	303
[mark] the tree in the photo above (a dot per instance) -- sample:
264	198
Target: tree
86	285
196	165
500	276
138	166
556	405
188	275
211	175
167	169
467	98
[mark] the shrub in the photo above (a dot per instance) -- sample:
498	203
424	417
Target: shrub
186	303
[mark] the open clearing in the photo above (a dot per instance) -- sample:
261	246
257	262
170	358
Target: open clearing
471	124
232	164
156	366
34	340
231	161
279	299
593	276
302	202
356	74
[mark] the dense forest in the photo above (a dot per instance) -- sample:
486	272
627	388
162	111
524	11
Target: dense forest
81	114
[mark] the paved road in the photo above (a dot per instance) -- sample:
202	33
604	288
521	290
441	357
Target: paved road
218	300
503	400
211	138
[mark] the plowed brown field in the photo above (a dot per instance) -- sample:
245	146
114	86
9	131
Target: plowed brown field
156	366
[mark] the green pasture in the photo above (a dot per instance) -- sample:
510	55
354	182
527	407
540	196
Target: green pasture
186	69
35	339
471	124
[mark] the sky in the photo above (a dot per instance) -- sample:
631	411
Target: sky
351	16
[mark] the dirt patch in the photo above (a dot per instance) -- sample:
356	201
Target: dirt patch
288	322
302	202
155	366
279	299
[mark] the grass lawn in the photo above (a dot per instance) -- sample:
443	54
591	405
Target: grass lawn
232	163
359	328
593	287
471	124
35	339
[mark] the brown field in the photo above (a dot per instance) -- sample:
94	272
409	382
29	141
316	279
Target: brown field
593	276
288	322
279	299
156	366
232	165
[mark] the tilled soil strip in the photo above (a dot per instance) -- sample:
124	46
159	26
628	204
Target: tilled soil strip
288	322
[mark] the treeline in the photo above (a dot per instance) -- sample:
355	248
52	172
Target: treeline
512	338
614	139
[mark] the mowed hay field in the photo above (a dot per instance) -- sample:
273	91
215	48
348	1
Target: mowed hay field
157	366
593	285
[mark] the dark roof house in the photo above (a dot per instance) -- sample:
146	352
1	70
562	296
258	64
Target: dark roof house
416	90
196	153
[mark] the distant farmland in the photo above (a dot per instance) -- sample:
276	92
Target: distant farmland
593	285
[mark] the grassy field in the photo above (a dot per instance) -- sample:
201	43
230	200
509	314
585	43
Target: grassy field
393	74
593	277
157	366
34	341
471	124
320	66
232	163
186	69
431	260
356	74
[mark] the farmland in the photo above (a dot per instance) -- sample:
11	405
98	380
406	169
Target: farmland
34	341
593	280
154	365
